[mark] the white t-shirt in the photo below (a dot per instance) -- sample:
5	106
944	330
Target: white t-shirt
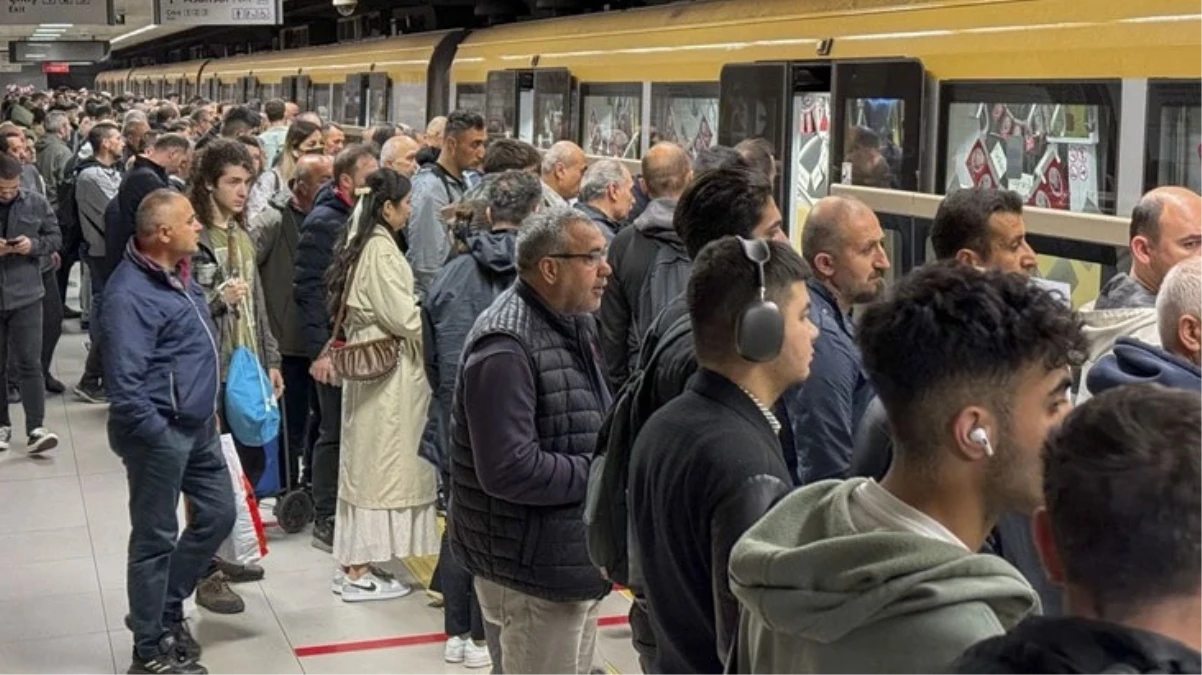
873	508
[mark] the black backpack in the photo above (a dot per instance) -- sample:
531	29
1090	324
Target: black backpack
67	210
605	507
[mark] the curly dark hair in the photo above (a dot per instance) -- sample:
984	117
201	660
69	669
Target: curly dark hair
950	334
207	170
1121	482
721	202
385	186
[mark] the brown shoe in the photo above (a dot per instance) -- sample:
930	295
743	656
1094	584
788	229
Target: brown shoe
236	573
214	594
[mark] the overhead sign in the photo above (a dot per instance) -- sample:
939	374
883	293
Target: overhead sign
68	51
56	68
33	12
218	12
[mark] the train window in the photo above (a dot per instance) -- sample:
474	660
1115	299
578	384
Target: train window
470	97
1054	144
1174	138
611	120
872	142
685	113
336	90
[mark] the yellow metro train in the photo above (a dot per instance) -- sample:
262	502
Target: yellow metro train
1078	106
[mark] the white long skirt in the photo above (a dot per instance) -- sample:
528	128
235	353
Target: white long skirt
363	536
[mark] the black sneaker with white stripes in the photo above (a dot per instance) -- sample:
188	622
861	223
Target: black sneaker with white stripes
40	440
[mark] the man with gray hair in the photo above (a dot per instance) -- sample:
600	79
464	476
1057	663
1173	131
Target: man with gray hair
53	154
530	397
399	153
135	129
563	169
606	195
1178	363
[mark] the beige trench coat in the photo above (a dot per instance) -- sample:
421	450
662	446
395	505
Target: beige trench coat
382	421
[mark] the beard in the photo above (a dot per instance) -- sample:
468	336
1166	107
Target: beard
1012	483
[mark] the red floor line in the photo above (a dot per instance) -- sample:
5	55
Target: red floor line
408	641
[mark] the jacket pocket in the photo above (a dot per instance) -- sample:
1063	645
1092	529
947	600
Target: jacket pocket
530	540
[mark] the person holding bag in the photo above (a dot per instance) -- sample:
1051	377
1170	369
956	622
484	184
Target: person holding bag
386	493
226	270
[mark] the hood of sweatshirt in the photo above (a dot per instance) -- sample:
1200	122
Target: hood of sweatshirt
805	570
496	251
1136	362
656	221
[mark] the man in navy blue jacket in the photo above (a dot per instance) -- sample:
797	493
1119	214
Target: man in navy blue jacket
160	365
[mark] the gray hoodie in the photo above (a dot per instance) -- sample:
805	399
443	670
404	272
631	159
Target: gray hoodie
818	596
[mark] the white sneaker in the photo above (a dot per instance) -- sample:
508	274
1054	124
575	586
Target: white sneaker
6	437
40	440
337	582
476	656
370	587
453	651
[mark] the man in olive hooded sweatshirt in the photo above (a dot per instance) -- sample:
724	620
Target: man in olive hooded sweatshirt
972	367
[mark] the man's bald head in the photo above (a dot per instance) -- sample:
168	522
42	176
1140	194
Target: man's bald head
314	169
563	168
154	211
824	225
400	154
667	171
1166	228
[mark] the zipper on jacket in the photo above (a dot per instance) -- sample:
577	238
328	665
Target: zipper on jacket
212	343
174	397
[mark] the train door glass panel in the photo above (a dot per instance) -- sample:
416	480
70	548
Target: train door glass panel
526	115
379	97
878	110
324	96
1053	144
501	104
805	170
1174	138
470	97
753	103
352	98
304	92
610	120
686	114
553	113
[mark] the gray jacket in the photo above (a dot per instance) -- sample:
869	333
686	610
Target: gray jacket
53	156
20	275
429	240
94	189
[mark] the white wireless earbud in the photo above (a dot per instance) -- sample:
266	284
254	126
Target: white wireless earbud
981	438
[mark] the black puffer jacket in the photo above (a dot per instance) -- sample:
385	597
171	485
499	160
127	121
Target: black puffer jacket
319	236
535	548
1075	645
145	177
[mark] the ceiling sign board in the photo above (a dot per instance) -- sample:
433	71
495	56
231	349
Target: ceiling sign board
217	12
33	12
56	68
67	51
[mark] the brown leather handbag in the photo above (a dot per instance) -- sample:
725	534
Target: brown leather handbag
362	361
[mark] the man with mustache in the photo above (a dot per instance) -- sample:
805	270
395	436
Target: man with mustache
845	247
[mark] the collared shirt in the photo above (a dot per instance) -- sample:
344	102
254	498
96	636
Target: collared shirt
872	507
765	410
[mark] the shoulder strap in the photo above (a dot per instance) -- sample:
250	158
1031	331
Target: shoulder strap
678	328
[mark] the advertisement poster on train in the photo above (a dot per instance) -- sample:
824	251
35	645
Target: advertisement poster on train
690	122
612	126
810	156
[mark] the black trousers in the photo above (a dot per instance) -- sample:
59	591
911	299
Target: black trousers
298	398
52	319
326	452
20	336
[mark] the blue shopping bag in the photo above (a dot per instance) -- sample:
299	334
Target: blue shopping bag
251	411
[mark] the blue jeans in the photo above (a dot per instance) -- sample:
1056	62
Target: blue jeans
93	370
163	571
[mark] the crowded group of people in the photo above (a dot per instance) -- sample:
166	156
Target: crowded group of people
601	377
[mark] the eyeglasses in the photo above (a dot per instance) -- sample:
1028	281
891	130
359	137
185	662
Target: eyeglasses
592	258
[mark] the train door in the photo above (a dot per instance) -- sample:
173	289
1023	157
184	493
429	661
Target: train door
379	99
353	100
536	106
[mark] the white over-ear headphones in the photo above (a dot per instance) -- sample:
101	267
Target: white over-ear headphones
981	437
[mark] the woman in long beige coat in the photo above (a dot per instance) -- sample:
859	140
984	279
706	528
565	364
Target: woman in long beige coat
386	493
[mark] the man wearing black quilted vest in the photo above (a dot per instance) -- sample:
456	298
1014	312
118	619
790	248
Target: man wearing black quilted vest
530	397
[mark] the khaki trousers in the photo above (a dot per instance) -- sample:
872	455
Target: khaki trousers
540	636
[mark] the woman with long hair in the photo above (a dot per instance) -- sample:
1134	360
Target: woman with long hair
386	493
303	137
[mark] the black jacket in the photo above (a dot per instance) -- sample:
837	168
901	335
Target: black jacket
319	236
609	226
703	470
145	177
276	233
633	299
1075	645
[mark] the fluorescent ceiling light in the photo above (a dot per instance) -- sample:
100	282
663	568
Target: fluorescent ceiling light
56	25
132	33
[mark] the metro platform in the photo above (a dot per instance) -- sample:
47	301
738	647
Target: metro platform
64	528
